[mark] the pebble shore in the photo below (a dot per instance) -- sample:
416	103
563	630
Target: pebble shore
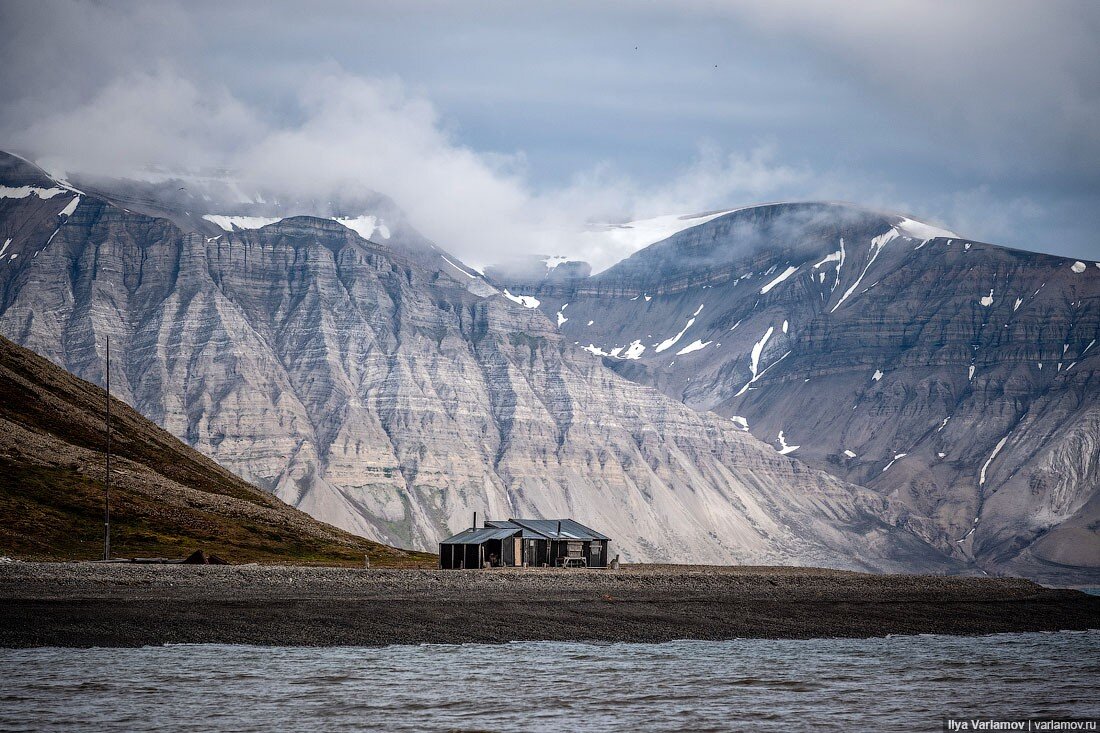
81	605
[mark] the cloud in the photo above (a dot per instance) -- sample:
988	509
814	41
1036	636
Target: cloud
61	53
999	76
143	120
979	210
350	136
954	112
713	180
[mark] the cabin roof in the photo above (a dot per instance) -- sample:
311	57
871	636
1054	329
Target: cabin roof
548	528
538	529
527	534
478	536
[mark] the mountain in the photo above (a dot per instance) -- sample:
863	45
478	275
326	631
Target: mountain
533	270
957	377
167	499
390	390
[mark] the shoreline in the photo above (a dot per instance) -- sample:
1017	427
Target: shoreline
83	605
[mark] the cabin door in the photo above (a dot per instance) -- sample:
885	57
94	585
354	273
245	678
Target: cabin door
596	553
517	551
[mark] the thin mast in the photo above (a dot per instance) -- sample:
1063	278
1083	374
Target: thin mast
107	490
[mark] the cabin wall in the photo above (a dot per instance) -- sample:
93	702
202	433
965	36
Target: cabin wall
536	553
444	557
596	554
472	556
518	551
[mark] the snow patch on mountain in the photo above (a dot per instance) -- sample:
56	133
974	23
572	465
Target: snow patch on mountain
22	192
897	457
452	264
70	207
783	276
364	226
236	223
561	315
784	449
554	261
527	301
985	466
832	257
839	265
754	359
634	350
877	245
757	348
669	342
920	230
695	345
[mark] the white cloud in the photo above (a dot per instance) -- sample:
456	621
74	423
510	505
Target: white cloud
354	135
144	119
980	214
899	104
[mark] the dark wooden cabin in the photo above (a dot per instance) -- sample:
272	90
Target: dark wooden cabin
525	543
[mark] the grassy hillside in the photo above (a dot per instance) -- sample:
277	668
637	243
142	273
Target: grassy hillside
167	499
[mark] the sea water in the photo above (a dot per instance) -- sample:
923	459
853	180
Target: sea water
898	683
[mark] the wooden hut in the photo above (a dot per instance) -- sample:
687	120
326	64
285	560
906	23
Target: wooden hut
525	543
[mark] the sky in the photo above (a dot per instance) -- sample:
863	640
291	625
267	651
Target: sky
504	127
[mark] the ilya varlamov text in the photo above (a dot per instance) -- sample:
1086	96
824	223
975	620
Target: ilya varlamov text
1031	724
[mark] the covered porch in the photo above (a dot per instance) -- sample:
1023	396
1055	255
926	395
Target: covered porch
479	548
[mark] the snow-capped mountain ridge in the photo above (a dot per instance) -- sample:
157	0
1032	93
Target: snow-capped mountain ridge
892	353
638	234
700	264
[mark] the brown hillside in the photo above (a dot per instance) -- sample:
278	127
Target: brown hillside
167	499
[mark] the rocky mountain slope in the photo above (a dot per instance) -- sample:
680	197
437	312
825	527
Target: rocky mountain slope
167	499
391	391
958	377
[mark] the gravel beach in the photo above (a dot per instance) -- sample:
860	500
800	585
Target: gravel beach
81	605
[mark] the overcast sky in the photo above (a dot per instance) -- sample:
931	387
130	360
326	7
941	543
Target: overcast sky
509	125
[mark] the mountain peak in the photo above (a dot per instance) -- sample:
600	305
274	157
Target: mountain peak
638	235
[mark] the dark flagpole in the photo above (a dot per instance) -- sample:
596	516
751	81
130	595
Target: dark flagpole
107	492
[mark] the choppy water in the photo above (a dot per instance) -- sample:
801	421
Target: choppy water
897	683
